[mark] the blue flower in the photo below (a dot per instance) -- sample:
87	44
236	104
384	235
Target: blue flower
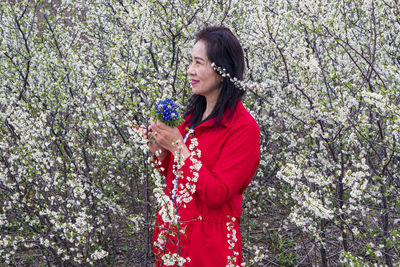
168	112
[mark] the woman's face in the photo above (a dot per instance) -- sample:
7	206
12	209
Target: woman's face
205	81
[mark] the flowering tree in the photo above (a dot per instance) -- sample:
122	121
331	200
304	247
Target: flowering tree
333	124
76	185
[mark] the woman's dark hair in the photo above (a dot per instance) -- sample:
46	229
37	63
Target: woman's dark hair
224	49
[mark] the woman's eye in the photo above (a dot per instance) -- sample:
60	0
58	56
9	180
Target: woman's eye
197	62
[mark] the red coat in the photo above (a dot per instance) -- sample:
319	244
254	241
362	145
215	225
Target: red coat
230	154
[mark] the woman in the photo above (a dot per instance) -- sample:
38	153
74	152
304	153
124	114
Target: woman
229	140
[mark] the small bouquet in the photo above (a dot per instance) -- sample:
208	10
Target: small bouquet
167	112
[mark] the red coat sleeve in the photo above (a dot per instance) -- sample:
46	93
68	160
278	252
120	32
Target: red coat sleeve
236	166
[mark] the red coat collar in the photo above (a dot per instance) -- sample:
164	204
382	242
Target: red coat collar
227	118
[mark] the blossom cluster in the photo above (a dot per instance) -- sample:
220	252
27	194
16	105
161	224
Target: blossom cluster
222	71
170	226
232	240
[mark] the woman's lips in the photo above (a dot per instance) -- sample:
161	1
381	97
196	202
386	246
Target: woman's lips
195	82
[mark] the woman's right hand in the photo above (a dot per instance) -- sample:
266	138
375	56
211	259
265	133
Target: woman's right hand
153	146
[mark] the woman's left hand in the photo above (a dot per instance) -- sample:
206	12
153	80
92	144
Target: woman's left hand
169	138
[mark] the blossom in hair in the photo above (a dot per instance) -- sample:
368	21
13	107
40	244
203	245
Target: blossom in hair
168	112
222	71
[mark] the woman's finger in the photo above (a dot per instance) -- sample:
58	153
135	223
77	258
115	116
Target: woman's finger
155	128
142	130
162	125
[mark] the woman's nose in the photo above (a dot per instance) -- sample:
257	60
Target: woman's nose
190	70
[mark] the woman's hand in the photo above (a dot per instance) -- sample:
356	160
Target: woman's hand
169	138
153	146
